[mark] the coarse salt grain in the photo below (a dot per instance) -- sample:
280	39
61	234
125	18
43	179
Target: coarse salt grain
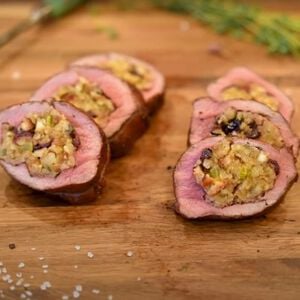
75	267
1	264
90	254
76	294
12	287
31	277
19	282
129	253
21	265
45	271
95	291
44	266
5	277
41	258
19	275
139	279
33	248
28	293
77	247
26	285
109	297
45	285
10	281
4	270
22	296
78	288
65	297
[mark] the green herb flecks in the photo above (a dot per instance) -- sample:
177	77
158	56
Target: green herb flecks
110	31
280	33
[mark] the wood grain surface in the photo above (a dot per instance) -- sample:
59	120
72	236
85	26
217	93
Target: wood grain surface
172	258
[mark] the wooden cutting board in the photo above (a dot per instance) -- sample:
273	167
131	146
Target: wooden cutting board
172	258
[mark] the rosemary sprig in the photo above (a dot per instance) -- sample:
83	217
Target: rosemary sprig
280	33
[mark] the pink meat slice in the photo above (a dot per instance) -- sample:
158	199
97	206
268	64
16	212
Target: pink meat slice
191	198
87	156
206	111
243	75
119	92
158	84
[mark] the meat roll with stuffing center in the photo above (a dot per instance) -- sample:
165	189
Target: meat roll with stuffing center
117	108
241	83
243	119
142	75
222	178
55	148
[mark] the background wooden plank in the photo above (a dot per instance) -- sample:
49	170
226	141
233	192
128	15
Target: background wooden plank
172	258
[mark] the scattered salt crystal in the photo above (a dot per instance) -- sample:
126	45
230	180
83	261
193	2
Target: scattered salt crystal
4	270
33	248
109	297
41	258
45	285
184	26
28	293
77	247
12	287
75	267
16	75
45	271
31	277
76	294
5	277
10	281
21	265
90	254
1	264
44	266
22	296
19	275
19	282
129	253
95	291
26	285
139	279
65	297
78	288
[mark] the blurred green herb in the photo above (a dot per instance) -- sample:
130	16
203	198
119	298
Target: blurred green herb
110	31
280	33
94	9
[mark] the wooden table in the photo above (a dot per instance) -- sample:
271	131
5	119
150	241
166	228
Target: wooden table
172	258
